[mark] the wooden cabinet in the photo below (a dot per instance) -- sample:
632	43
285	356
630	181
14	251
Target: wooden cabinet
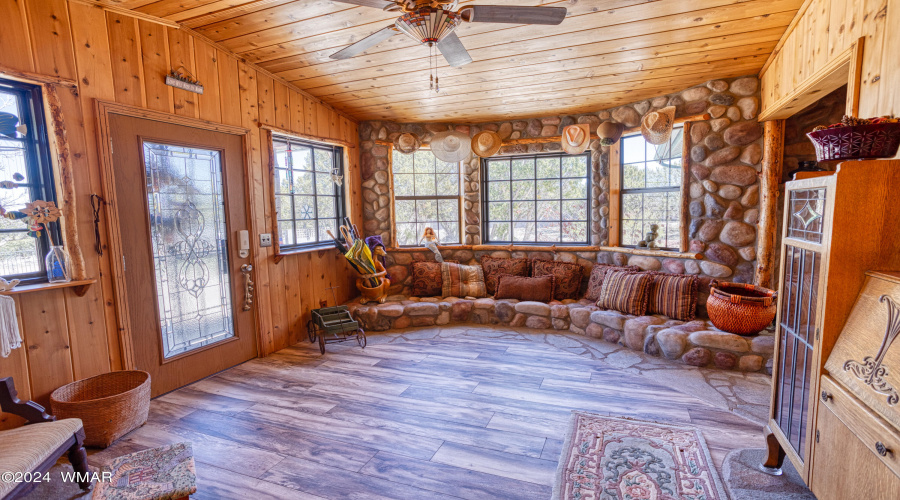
836	227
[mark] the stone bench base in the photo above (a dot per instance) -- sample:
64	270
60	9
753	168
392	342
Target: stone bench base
695	343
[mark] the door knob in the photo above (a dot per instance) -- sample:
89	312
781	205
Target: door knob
882	449
825	396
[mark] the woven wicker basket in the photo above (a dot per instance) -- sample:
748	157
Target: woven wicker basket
740	308
109	405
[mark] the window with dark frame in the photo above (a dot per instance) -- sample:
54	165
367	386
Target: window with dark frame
537	199
307	201
652	178
27	154
426	194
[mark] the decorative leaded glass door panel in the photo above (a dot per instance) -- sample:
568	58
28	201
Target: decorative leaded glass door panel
180	203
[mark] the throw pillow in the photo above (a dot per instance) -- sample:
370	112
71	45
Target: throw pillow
567	274
673	295
538	289
598	272
493	268
426	279
626	292
462	281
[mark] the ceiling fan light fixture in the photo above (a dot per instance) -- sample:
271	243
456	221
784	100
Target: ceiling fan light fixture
428	25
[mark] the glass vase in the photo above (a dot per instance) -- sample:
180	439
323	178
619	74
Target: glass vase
59	268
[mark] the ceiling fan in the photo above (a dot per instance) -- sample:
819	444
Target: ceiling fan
432	22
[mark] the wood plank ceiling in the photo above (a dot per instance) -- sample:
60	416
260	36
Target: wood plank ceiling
605	53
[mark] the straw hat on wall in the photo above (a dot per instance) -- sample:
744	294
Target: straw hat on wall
451	146
575	138
486	143
407	143
656	127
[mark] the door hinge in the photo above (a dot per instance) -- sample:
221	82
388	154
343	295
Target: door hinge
123	264
817	333
817	435
110	146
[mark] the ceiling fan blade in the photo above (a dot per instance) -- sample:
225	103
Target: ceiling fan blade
365	44
376	4
453	51
513	15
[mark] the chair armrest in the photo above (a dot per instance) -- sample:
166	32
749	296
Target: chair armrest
29	410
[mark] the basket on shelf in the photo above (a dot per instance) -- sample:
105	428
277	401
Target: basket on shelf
740	308
880	140
109	405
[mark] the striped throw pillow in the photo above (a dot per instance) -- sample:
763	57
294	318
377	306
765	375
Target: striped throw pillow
462	281
674	295
598	273
626	292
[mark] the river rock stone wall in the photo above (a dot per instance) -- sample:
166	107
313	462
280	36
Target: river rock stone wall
725	153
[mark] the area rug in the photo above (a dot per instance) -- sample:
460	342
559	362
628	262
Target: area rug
744	480
609	458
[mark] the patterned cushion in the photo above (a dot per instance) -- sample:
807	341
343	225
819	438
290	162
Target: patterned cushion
567	274
626	292
23	449
462	281
538	289
493	268
673	295
426	279
595	283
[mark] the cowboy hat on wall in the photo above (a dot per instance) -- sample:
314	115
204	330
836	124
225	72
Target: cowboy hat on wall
486	143
407	143
656	127
575	138
451	146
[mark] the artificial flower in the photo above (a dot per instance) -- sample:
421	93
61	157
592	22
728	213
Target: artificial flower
41	212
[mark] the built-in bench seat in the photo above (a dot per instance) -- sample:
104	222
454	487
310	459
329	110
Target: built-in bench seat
696	343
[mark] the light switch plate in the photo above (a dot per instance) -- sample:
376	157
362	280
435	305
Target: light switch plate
265	239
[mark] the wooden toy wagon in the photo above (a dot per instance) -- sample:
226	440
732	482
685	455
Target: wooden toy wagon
334	324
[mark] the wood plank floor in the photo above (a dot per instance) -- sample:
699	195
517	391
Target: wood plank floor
456	416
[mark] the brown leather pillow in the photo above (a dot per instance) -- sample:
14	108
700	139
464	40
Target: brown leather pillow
626	292
493	268
426	279
567	274
538	289
598	273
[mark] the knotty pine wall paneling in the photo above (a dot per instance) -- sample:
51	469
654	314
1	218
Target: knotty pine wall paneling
117	57
825	28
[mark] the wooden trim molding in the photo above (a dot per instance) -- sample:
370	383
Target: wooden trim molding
684	226
843	69
27	77
108	181
306	137
116	9
79	287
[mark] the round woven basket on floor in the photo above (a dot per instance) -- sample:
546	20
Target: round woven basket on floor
740	308
109	405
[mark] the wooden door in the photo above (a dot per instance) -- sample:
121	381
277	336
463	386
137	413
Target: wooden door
181	201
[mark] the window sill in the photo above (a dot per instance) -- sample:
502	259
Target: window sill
672	254
80	287
280	254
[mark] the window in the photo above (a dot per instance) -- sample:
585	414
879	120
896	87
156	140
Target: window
307	201
651	178
26	154
426	194
537	199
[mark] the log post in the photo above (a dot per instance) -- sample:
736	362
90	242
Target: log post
772	162
65	182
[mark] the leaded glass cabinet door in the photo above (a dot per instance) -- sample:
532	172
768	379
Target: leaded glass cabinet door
180	202
800	284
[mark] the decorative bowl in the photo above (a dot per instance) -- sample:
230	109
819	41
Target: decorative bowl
857	142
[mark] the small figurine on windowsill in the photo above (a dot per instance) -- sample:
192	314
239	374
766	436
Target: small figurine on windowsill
431	243
649	241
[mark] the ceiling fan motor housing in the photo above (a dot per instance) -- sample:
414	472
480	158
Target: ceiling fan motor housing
428	25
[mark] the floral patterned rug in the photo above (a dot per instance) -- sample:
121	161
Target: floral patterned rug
607	458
